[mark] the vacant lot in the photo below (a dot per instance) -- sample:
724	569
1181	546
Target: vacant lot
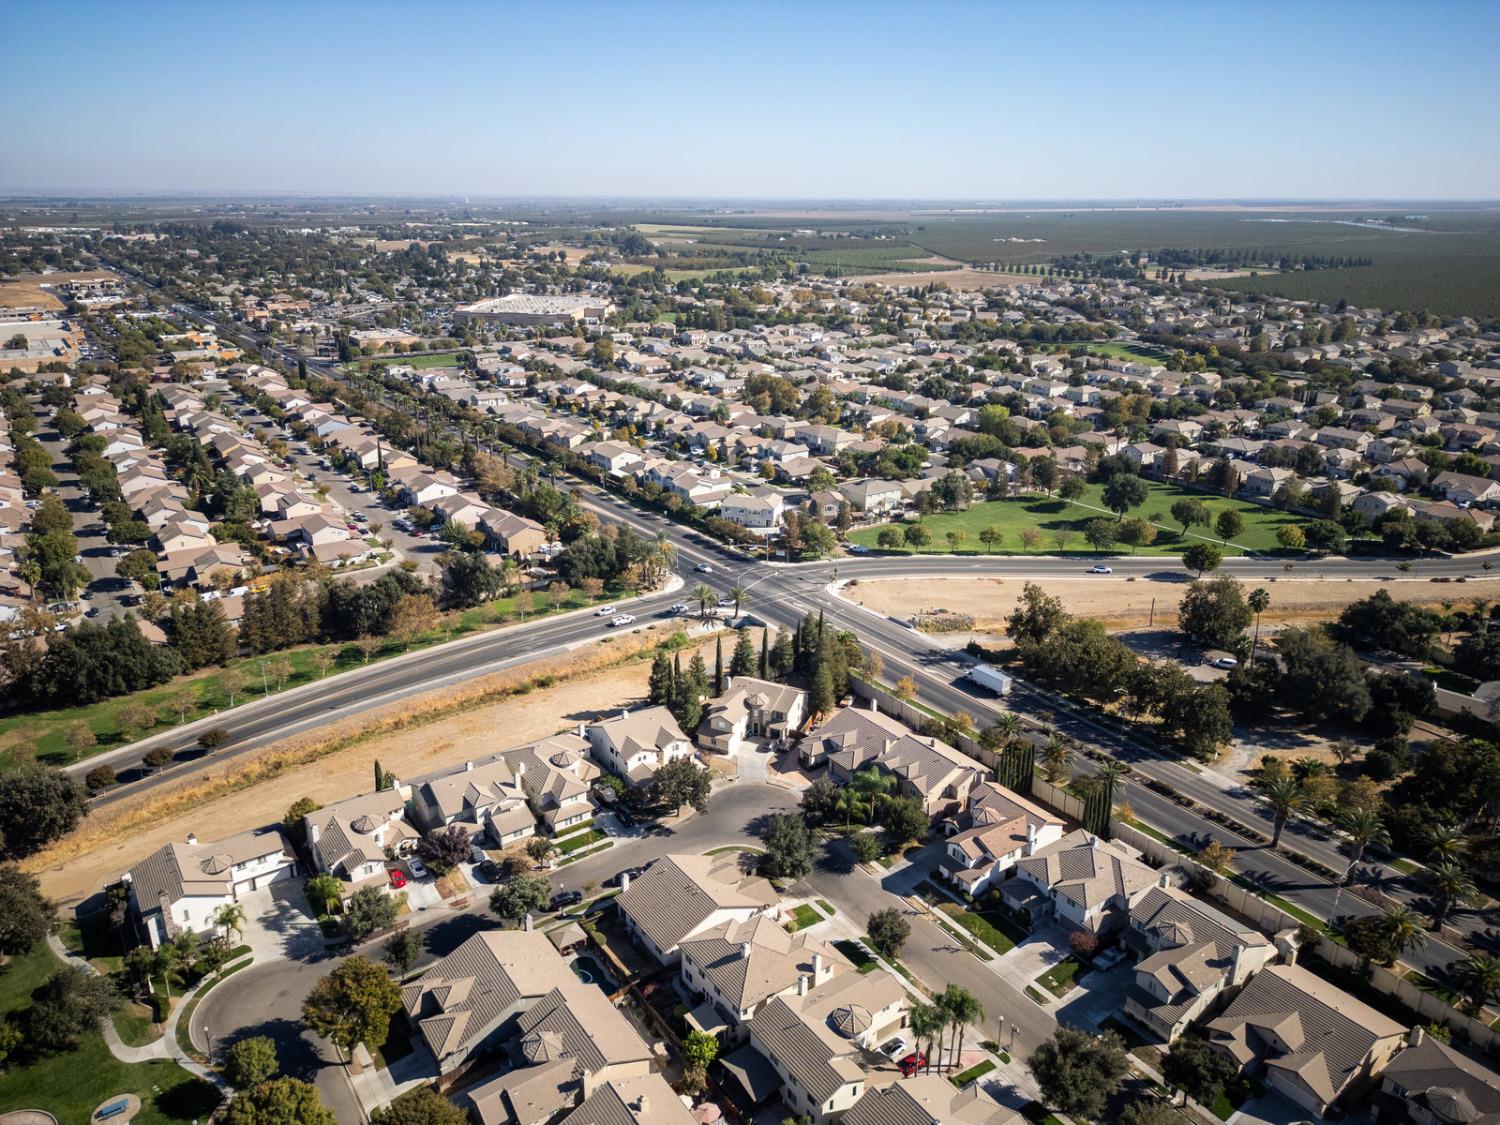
25	291
407	753
1053	515
1122	604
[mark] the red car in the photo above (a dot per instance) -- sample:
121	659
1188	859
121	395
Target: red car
398	878
912	1063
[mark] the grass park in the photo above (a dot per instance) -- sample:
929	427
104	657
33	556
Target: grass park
1054	517
71	1085
48	736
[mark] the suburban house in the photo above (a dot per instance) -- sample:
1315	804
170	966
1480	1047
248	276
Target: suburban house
511	534
681	896
1464	490
647	1100
815	1039
1081	881
925	768
927	1098
349	839
504	797
737	966
998	828
638	743
751	708
1431	1083
873	497
1189	954
179	888
1310	1040
758	514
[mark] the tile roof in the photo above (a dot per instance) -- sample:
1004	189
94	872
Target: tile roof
646	1100
678	893
928	1098
1447	1082
1088	870
178	871
752	960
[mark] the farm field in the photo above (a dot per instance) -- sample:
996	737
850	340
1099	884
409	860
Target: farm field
1051	515
71	1085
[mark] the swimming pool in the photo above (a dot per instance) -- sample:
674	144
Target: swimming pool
586	969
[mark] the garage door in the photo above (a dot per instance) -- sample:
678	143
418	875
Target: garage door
280	875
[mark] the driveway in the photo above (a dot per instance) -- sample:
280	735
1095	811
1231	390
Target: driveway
280	924
1269	1109
1096	996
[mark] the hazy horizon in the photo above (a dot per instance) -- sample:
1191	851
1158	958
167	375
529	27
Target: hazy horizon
877	102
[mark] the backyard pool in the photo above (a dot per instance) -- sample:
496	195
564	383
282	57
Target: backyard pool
586	969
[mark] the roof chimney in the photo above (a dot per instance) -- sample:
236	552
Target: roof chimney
745	948
817	966
624	883
527	923
468	766
1418	1034
642	1106
579	731
623	713
802	985
874	704
192	839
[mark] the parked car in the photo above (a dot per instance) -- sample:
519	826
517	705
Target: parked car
398	878
490	871
417	867
679	609
1225	662
564	899
1101	569
620	876
858	549
912	1063
893	1048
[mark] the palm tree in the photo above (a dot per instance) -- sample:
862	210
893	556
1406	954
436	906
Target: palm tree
963	1009
702	595
1363	827
1451	885
1055	756
1107	774
871	784
1478	978
739	594
1403	930
231	916
1284	795
1009	723
1446	843
928	1022
1259	601
1305	768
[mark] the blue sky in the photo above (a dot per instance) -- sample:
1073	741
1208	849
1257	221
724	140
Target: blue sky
983	101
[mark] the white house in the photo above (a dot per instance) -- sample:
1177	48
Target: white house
636	744
751	708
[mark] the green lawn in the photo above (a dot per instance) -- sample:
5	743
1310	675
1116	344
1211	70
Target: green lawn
420	360
581	840
1058	980
1120	349
979	1070
72	1085
1053	516
45	733
803	916
857	955
981	927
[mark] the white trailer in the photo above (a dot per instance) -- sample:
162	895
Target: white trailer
988	676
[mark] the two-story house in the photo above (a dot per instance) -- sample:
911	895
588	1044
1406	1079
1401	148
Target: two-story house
998	829
1081	881
681	896
636	744
751	708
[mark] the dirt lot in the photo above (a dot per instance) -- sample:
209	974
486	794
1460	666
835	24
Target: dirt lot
26	290
1127	605
412	752
959	280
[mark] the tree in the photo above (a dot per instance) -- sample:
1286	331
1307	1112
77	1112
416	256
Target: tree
1214	613
1196	1066
1284	795
1202	557
866	847
990	536
1478	978
1137	532
293	822
917	536
70	1003
963	1009
352	1005
411	616
1055	757
1077	1072
157	757
681	782
869	787
249	1062
369	909
1259	601
1216	857
1362	827
403	950
1322	679
1190	513
904	820
743	661
1036	615
700	1048
1229	524
100	778
1100	534
888	930
26	916
230	916
443	849
324	891
213	738
1123	492
420	1106
521	896
906	688
80	738
281	1101
539	849
1149	1111
928	1022
788	848
1290	536
1451	886
37	806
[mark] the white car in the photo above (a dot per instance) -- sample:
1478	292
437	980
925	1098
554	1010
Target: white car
893	1048
1225	662
726	603
678	609
704	568
1101	569
623	619
605	611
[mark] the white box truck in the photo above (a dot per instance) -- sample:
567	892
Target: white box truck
987	676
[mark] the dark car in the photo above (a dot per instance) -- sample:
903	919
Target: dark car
489	871
564	899
620	876
912	1063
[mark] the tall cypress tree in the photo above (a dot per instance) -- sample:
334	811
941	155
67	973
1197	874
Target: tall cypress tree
719	665
765	653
